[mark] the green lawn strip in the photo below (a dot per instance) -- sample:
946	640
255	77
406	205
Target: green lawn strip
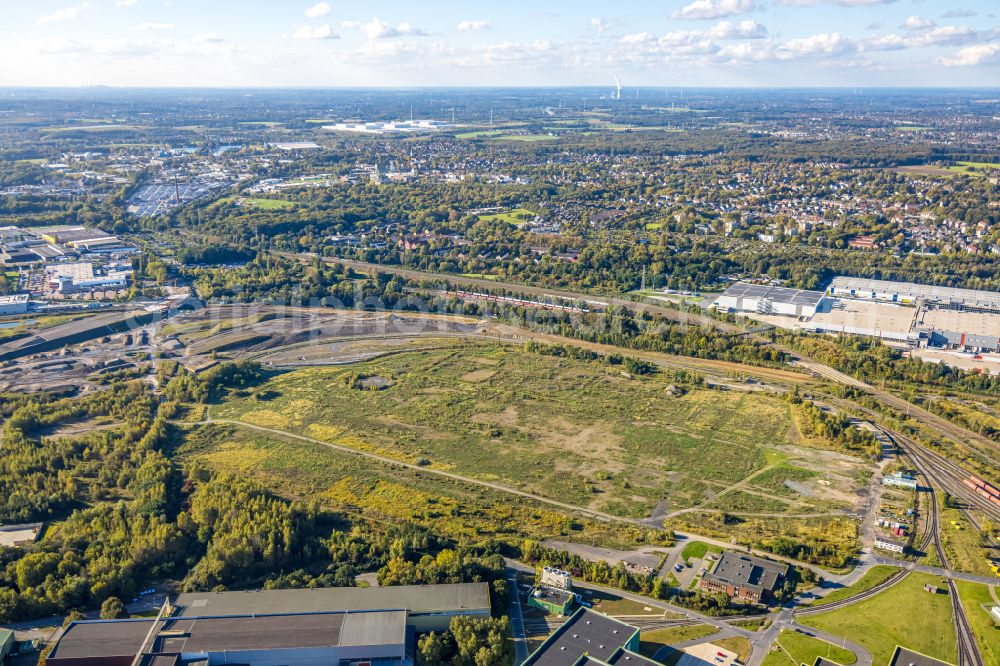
804	649
873	577
976	600
902	615
698	550
651	641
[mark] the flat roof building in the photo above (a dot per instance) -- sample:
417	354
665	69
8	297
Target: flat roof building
765	299
430	607
908	292
589	638
14	304
305	627
904	657
304	639
890	544
746	577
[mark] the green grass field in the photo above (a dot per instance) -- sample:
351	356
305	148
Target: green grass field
574	431
352	484
517	217
267	204
962	544
794	649
902	615
874	576
976	600
698	550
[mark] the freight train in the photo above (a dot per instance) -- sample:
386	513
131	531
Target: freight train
983	489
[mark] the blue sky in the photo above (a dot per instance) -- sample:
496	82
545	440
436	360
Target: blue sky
515	42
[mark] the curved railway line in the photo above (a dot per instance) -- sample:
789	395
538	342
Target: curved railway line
934	472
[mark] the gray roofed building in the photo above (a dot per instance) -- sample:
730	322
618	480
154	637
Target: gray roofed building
766	299
309	638
586	637
746	577
430	607
904	657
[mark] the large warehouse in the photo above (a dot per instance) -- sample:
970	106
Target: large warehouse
765	299
907	292
307	627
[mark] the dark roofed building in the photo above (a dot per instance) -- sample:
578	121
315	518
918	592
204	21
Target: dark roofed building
308	627
904	657
430	607
745	577
588	637
305	639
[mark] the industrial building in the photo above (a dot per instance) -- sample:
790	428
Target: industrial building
304	639
60	243
589	638
900	480
889	544
900	313
84	276
429	607
554	592
908	292
903	657
306	627
379	127
745	577
14	304
768	300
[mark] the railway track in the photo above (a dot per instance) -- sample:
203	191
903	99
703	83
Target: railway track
933	471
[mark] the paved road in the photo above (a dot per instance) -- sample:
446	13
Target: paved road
516	619
761	644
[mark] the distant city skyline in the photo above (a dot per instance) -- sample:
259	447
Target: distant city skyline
256	43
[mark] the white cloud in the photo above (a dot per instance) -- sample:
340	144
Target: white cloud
125	3
824	44
712	9
842	3
918	23
473	26
946	35
742	30
307	32
319	9
350	25
958	13
65	14
599	24
147	26
378	29
977	54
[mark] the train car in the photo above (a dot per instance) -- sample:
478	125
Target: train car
988	487
970	483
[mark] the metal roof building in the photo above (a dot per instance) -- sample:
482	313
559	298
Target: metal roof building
304	639
430	607
765	299
904	657
907	292
303	627
589	638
